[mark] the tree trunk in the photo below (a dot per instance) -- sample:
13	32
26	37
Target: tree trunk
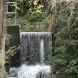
52	28
2	41
52	21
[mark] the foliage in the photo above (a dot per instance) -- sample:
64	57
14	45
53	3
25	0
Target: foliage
9	53
31	15
65	56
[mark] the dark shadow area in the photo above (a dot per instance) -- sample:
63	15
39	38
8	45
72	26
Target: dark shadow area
15	60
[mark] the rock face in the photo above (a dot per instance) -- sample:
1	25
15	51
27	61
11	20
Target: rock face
30	47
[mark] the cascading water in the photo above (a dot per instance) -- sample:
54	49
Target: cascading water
42	51
33	71
34	48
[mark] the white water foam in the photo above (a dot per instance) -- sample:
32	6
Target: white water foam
31	71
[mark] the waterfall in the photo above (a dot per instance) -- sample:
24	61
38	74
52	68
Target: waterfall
34	51
34	47
42	51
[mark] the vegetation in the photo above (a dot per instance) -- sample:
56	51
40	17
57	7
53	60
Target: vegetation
62	19
65	56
